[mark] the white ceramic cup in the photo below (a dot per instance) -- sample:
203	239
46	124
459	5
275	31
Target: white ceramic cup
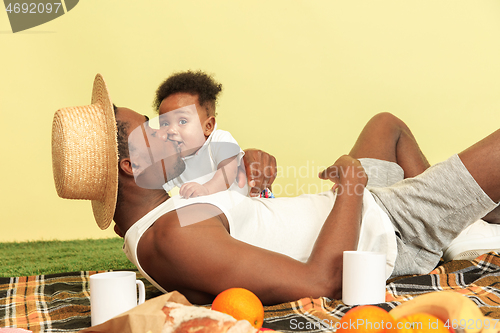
363	277
113	293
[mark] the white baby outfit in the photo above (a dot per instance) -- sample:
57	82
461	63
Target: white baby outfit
202	165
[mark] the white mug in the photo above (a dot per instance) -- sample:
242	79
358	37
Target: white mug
363	277
113	293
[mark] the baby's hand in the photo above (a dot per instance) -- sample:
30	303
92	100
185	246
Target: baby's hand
193	189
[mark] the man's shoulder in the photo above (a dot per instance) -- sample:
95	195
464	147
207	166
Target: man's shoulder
176	232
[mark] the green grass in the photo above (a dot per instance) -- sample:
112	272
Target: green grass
48	257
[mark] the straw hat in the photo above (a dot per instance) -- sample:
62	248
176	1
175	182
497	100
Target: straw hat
85	153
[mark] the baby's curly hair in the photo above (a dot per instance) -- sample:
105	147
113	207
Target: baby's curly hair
196	83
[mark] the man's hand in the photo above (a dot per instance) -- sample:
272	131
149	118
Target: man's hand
346	172
193	189
259	168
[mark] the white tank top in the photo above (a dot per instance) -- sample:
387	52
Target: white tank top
288	226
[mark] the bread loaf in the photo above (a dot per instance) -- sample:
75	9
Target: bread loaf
195	319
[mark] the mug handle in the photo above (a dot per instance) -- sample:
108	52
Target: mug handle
142	291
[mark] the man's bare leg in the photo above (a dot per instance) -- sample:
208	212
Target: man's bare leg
482	160
386	137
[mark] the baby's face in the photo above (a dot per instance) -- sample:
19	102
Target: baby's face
183	126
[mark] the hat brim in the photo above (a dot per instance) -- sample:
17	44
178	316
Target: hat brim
104	210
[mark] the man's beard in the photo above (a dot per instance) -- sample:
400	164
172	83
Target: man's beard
178	168
162	171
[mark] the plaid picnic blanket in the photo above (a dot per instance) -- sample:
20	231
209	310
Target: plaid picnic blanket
50	303
61	303
478	279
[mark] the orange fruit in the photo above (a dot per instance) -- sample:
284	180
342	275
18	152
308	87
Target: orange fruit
367	319
421	323
241	304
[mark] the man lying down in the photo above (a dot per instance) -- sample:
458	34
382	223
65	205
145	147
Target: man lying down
282	249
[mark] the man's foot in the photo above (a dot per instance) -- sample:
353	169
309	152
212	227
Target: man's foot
477	239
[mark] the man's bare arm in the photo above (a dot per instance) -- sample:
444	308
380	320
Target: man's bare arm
344	221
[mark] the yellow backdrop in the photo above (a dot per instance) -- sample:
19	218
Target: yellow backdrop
300	80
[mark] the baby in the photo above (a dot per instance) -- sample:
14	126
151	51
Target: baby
211	156
186	103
